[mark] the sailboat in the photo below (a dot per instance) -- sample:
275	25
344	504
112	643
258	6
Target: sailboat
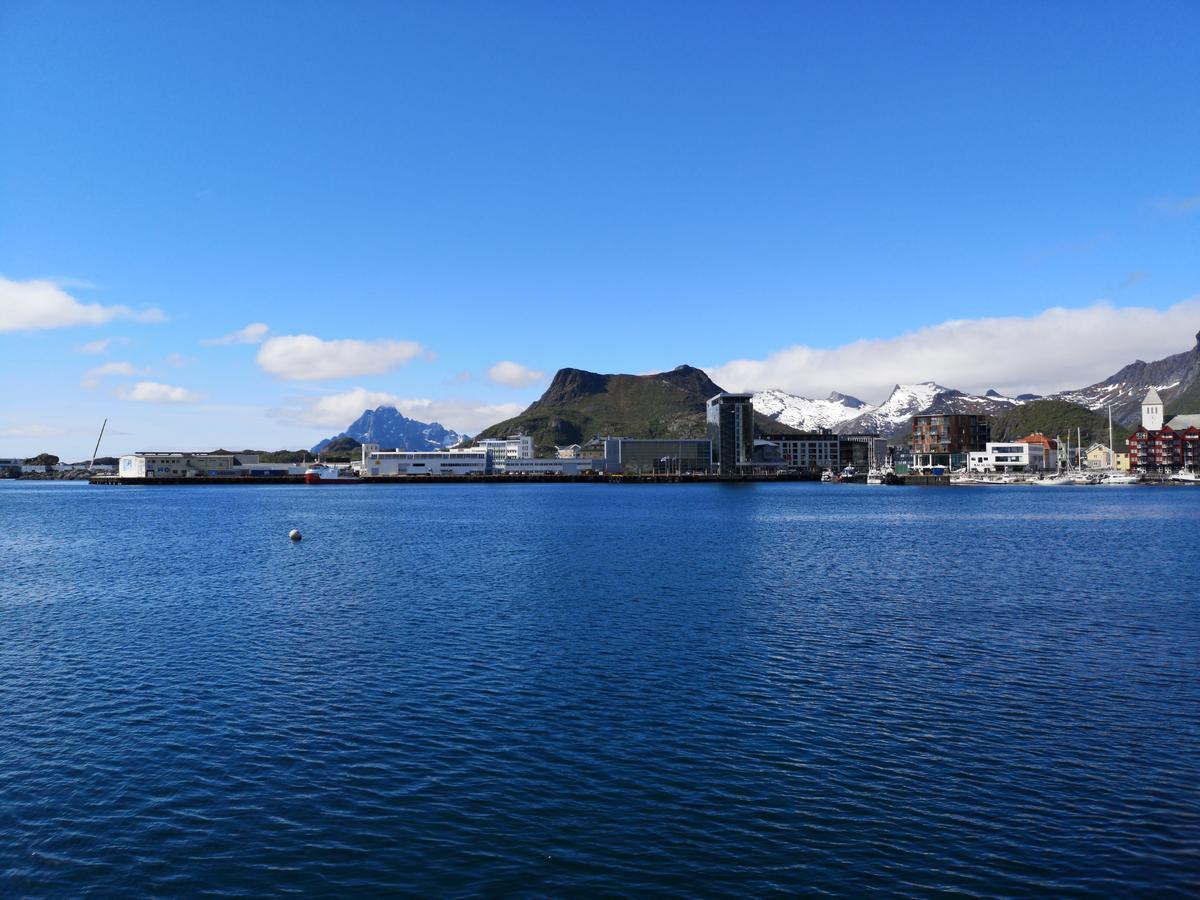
1114	477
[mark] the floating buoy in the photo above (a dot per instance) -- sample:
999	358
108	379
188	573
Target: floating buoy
294	534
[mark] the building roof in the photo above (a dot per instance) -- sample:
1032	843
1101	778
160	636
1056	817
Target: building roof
1181	423
1152	396
1038	438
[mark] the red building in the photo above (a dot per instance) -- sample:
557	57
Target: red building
1165	450
1164	447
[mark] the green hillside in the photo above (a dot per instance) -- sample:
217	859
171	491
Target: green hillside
1057	418
580	405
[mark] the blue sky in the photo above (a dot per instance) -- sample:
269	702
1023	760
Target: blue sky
781	193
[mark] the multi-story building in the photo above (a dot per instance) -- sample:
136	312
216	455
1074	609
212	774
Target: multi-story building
517	446
1164	447
945	439
1012	456
169	464
731	432
656	456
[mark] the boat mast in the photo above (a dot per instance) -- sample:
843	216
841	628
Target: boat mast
92	464
1112	454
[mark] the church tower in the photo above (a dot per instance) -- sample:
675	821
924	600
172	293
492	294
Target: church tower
1152	411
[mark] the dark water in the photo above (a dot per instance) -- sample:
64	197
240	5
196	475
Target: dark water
599	689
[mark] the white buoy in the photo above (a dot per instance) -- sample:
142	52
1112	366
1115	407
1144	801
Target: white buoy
294	534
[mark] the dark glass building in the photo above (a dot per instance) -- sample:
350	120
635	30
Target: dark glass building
657	456
731	430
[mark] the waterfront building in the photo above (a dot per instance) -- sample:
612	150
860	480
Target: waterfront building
946	439
809	451
425	462
1098	456
170	464
1164	447
517	446
731	431
1049	449
10	466
863	451
494	459
538	465
1012	456
571	451
662	456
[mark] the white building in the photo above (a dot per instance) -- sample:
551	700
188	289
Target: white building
425	462
1152	411
518	446
1012	456
171	464
544	466
508	456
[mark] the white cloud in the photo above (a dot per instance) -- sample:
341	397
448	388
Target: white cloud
251	334
336	411
37	304
513	374
91	378
302	357
153	392
1054	350
95	348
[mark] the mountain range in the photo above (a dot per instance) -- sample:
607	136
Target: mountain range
579	405
849	415
391	429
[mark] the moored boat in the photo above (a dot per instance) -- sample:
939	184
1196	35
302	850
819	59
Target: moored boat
323	474
1120	478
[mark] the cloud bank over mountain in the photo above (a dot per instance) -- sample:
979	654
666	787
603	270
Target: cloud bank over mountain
1012	354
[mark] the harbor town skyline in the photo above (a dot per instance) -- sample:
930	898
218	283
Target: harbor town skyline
370	226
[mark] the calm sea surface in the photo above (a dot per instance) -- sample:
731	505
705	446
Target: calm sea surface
570	689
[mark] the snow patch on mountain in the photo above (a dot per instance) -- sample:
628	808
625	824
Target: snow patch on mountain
806	414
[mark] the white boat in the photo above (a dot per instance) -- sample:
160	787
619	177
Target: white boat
881	475
323	474
1052	481
827	476
1186	477
1085	478
1120	478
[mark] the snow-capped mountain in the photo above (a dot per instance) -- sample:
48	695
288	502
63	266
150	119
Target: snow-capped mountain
805	414
391	429
905	401
1171	376
849	415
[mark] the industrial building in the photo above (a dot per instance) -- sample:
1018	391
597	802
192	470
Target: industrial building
172	464
507	456
655	456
